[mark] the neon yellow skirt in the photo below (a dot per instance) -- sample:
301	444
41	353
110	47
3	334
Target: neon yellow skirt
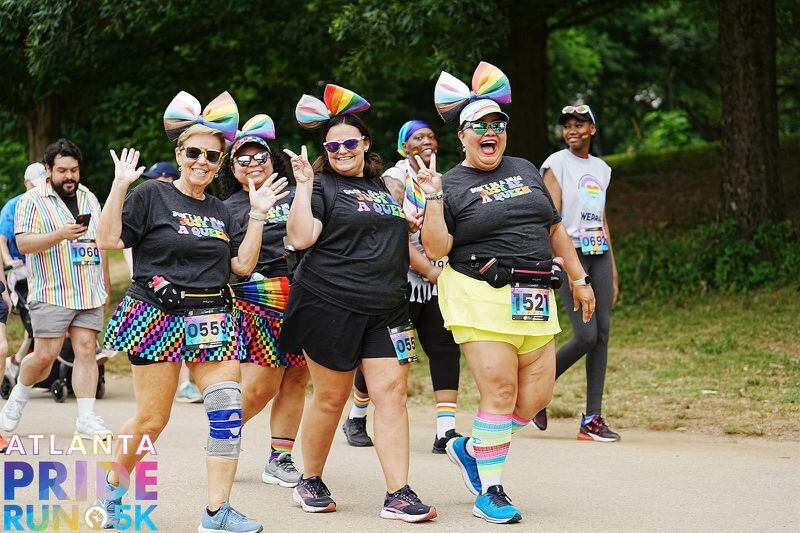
471	303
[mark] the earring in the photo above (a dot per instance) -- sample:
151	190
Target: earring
463	148
216	175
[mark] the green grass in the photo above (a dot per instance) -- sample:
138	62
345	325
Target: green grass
719	364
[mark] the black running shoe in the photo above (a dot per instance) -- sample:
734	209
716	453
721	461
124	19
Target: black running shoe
355	429
595	428
540	420
440	445
405	505
313	496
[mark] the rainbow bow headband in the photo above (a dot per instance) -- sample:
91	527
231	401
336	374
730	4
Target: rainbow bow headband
258	129
183	112
451	95
311	112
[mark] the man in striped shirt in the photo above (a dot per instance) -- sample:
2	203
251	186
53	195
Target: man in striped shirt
56	229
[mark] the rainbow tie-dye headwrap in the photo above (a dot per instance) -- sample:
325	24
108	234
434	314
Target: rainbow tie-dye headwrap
183	112
451	95
406	131
258	129
311	112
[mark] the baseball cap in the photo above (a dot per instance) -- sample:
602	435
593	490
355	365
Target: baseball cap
246	140
162	168
35	173
479	109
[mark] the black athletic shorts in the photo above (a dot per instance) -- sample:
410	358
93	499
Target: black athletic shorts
333	336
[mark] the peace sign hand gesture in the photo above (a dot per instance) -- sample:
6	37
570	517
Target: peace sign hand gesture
303	173
429	180
263	198
125	171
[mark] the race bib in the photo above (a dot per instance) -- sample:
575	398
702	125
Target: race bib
205	328
405	345
85	252
593	241
530	302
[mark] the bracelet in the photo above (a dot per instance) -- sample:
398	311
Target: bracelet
438	196
257	216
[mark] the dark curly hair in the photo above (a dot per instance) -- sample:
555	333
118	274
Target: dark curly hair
373	164
229	182
64	148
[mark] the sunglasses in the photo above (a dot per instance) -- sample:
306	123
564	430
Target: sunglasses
480	127
245	160
582	109
192	152
349	144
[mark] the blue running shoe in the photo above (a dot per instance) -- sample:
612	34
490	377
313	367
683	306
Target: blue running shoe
457	452
227	520
495	506
110	520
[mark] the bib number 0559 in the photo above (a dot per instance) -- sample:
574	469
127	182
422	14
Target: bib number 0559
205	329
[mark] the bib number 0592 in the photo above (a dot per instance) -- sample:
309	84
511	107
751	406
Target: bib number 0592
530	302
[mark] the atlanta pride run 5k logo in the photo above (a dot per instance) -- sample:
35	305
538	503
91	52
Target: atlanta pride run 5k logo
65	491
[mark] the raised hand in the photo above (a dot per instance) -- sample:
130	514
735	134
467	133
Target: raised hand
262	199
429	180
125	171
301	168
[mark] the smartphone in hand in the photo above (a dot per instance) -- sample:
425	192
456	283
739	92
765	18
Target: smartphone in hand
84	219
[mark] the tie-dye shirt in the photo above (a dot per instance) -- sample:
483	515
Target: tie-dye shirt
52	276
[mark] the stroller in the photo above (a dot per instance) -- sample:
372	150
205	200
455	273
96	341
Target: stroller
59	381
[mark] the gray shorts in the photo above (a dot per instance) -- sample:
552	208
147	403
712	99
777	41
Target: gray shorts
51	321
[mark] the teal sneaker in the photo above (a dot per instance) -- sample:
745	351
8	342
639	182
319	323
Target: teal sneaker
495	506
227	520
457	452
110	520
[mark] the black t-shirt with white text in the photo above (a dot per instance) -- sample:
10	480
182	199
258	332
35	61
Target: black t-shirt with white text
361	257
503	213
188	241
272	258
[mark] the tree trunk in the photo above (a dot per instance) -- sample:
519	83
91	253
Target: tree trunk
751	187
527	71
43	125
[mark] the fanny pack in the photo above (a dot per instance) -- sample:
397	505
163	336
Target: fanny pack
176	299
501	272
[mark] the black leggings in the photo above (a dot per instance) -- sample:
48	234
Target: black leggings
590	338
443	352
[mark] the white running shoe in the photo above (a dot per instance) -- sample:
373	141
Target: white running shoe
11	413
188	393
89	425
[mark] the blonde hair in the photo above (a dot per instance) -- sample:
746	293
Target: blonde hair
201	129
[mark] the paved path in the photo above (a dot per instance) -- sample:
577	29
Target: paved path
651	481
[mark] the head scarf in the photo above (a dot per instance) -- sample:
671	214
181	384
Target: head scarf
312	112
406	131
451	96
183	112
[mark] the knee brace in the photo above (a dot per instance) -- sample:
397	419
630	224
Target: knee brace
223	402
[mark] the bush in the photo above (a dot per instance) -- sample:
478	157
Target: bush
710	257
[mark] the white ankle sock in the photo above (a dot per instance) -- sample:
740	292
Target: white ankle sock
445	418
21	392
85	406
360	405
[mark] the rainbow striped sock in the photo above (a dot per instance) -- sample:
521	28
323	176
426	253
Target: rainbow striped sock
360	404
445	418
518	423
280	446
491	438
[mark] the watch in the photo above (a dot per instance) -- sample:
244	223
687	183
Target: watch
585	281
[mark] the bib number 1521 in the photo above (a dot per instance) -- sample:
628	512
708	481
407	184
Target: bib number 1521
530	302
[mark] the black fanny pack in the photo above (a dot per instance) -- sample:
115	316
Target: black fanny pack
176	299
501	272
